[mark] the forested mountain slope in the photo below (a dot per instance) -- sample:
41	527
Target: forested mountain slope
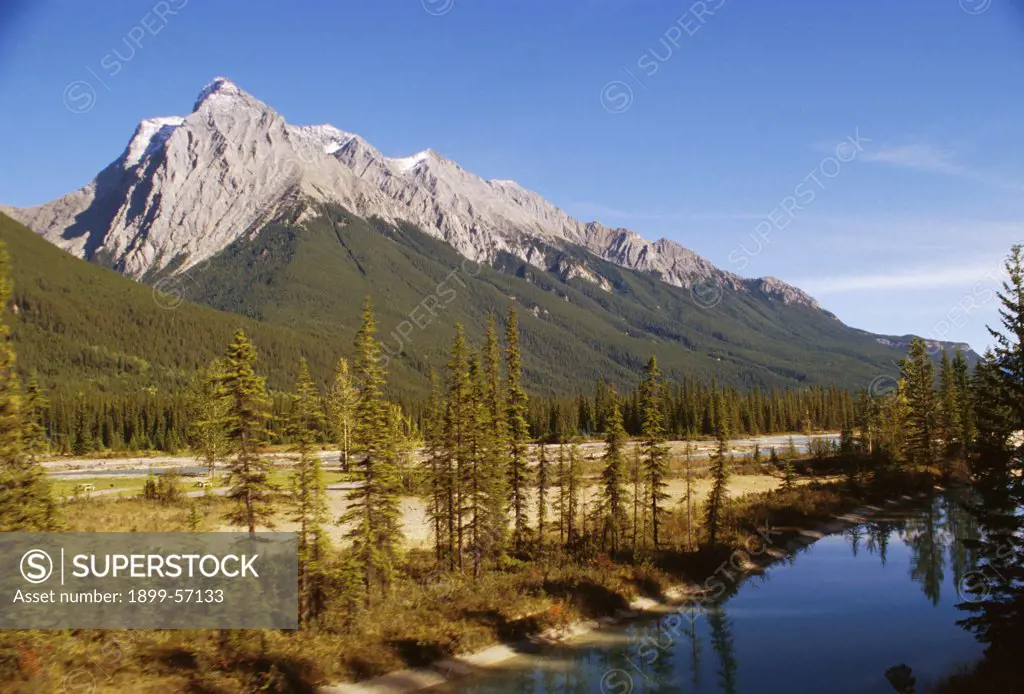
309	275
83	326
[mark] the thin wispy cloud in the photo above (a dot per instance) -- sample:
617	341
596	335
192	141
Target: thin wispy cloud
932	159
919	156
906	279
912	236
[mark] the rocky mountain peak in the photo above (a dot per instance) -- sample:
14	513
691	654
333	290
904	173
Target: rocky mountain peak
786	293
186	187
219	89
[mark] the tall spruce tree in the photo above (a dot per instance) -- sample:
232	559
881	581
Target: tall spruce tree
245	408
309	495
574	515
459	431
35	407
562	499
719	494
543	483
891	427
1008	353
517	405
688	457
613	476
373	512
918	375
26	503
949	411
437	467
341	409
476	464
961	375
496	445
652	444
600	405
207	415
636	478
997	473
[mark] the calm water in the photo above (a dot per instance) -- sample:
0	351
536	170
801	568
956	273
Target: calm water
831	620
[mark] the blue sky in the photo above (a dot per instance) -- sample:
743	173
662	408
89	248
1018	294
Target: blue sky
691	121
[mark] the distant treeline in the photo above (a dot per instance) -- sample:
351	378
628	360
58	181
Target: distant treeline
87	423
689	410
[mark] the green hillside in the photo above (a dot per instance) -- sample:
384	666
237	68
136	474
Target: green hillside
81	326
311	278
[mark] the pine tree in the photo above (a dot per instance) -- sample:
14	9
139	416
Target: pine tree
613	476
949	410
309	495
562	500
207	413
964	404
245	407
543	479
846	439
26	503
918	384
373	512
458	434
517	405
600	405
788	471
688	453
195	518
719	494
891	425
35	407
655	452
575	483
437	467
496	444
398	452
636	478
341	408
1008	354
476	463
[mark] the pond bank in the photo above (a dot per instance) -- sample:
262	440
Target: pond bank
789	541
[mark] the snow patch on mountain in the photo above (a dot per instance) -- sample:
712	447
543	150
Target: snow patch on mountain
407	164
149	136
219	90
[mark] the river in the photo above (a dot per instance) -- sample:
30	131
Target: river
832	618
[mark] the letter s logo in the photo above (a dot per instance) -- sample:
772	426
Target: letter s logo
36	566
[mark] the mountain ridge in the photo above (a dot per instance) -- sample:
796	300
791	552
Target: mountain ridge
186	187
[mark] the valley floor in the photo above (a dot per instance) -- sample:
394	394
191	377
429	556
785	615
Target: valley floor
113	477
591	450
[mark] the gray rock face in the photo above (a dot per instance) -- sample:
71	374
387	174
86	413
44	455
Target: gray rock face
186	187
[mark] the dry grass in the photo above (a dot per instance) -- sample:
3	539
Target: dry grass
425	617
141	516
